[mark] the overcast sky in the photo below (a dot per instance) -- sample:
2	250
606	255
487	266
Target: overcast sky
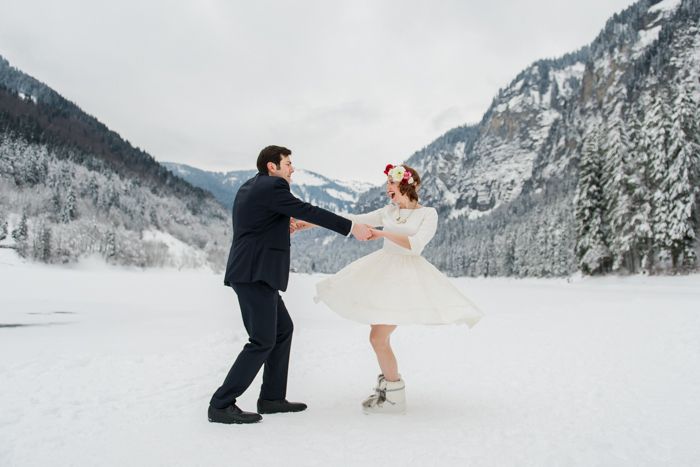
348	86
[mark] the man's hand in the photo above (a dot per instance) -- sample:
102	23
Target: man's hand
362	231
303	225
376	234
292	226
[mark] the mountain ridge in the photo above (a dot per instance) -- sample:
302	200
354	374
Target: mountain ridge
311	187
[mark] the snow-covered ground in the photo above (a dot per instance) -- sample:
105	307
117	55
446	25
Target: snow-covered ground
115	367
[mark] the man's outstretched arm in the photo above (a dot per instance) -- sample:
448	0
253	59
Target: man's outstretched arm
284	202
359	231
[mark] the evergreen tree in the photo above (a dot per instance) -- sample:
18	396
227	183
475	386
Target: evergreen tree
68	209
20	234
111	243
543	247
3	227
56	207
42	244
680	183
659	128
153	216
642	188
591	247
92	190
617	195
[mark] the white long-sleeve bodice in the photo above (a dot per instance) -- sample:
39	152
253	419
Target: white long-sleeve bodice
420	226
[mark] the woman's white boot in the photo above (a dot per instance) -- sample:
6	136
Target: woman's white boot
389	397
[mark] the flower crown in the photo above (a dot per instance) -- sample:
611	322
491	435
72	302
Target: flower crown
399	174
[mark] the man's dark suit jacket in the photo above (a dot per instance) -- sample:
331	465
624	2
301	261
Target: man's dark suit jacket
261	212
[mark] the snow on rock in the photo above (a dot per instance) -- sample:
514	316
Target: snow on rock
666	6
510	139
355	186
27	96
302	177
647	37
341	195
563	77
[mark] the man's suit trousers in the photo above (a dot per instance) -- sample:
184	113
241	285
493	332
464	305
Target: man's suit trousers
270	338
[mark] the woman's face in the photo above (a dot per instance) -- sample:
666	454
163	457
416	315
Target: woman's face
393	191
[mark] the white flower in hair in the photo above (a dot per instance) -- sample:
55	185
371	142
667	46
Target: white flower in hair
397	173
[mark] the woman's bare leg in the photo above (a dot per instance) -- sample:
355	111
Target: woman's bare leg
379	338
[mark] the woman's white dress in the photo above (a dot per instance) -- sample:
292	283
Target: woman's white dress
396	285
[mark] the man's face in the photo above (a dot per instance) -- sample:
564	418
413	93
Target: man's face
285	171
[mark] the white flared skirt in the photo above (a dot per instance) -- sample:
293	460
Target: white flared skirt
391	288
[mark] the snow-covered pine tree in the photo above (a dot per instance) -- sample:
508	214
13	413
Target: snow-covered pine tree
503	249
68	208
111	243
42	244
681	181
20	234
92	190
56	207
591	247
658	125
543	247
640	182
617	197
3	227
522	241
567	242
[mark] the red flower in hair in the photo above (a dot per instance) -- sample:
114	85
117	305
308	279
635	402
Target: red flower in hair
388	168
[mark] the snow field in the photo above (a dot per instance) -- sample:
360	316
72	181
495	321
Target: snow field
119	366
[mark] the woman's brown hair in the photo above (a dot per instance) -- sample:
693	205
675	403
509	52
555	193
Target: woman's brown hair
410	190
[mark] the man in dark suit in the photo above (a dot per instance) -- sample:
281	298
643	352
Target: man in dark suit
257	269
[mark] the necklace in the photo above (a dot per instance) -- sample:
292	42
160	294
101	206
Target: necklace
398	219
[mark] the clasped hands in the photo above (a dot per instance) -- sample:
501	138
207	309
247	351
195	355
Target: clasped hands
362	232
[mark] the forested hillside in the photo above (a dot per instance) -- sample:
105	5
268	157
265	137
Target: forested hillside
70	187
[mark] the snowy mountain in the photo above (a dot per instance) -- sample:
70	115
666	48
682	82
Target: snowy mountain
473	170
334	195
509	189
71	188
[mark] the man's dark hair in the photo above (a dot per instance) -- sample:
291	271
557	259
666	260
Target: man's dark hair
272	154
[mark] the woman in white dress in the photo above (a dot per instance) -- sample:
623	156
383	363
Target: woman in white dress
395	285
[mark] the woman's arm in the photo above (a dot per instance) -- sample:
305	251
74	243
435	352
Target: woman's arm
416	242
373	218
400	240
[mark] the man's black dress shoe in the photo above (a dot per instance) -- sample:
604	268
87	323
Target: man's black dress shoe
232	414
279	406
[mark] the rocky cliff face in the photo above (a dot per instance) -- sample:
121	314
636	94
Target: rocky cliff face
473	170
534	128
